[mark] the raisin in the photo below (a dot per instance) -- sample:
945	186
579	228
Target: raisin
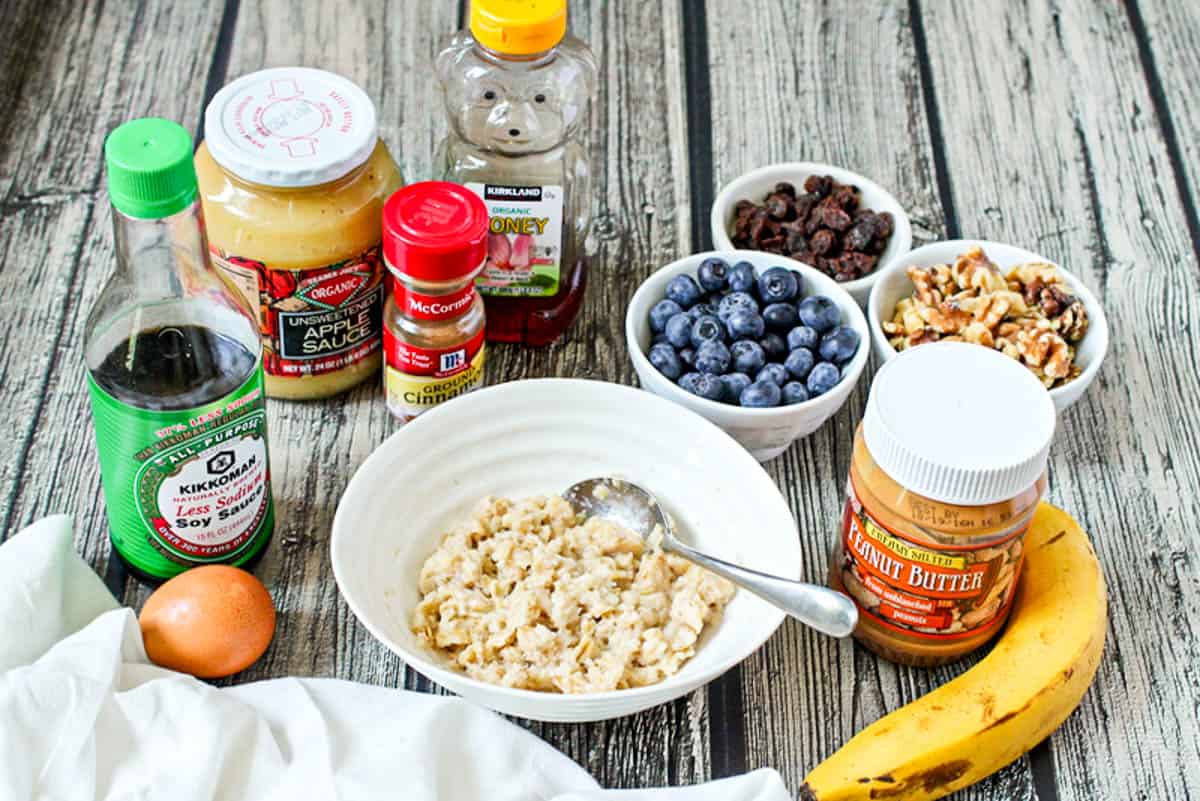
832	217
819	185
862	233
784	188
823	242
780	206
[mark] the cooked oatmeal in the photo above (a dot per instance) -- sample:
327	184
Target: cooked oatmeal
524	594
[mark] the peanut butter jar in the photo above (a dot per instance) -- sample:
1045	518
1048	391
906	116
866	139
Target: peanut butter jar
948	467
293	177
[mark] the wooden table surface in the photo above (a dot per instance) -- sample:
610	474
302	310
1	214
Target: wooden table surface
1068	127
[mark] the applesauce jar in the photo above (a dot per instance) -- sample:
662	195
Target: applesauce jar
948	467
293	178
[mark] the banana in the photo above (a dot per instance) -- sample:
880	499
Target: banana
1013	698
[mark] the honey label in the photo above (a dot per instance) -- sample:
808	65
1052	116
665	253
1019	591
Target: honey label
417	379
525	239
314	321
939	592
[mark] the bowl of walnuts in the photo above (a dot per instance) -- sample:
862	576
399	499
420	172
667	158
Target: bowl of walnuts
838	222
997	296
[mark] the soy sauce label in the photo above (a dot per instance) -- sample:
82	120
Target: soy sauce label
189	486
313	321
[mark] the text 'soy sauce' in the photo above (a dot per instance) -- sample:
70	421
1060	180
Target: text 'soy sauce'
948	467
293	176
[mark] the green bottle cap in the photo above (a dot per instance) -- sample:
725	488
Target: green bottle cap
150	169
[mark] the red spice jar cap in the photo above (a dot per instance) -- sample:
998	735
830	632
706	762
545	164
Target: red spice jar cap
434	231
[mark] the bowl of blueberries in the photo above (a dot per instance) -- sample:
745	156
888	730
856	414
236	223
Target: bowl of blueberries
765	347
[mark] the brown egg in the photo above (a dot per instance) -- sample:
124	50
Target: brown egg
210	621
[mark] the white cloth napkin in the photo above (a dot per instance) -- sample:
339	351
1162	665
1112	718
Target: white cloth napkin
85	715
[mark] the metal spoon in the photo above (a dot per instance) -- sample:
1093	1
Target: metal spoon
622	502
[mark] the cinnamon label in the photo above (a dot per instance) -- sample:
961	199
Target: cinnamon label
938	592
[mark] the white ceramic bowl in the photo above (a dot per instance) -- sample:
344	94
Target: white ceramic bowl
539	437
894	284
766	433
756	184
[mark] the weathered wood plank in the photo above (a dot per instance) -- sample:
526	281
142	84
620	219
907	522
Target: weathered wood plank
1168	37
1052	145
779	94
109	62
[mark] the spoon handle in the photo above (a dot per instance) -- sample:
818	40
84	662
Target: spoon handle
823	609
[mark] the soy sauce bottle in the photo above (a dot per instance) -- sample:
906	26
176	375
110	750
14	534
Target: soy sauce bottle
174	373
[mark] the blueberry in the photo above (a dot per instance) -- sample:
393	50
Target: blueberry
799	362
777	285
839	345
799	337
760	395
823	378
713	357
780	316
679	330
734	384
748	356
799	283
699	310
683	290
659	339
706	386
774	373
687	382
736	301
774	346
666	361
713	274
819	313
662	311
688	356
745	325
705	329
742	277
794	392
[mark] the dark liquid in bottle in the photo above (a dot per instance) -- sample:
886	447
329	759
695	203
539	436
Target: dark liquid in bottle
175	367
533	320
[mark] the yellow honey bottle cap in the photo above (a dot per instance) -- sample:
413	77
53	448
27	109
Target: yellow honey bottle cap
518	27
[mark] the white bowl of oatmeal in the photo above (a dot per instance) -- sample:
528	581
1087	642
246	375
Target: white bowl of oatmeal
536	438
1064	348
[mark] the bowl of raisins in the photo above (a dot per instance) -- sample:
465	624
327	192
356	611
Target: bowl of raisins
764	347
839	222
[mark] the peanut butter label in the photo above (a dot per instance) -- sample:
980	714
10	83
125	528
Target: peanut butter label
939	592
313	321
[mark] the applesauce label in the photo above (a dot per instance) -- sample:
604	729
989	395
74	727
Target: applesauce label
313	321
938	592
525	242
186	487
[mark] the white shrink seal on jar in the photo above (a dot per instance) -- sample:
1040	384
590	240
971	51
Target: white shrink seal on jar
959	423
290	127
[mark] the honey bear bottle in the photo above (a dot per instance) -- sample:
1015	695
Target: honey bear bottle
517	90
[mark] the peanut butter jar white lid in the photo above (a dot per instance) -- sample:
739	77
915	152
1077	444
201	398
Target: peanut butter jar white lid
290	127
959	423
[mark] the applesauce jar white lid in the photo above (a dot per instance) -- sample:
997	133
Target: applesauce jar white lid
959	423
290	127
